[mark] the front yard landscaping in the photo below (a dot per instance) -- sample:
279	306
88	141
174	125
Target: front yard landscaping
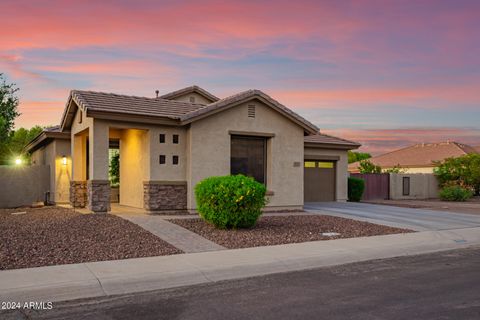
54	235
274	230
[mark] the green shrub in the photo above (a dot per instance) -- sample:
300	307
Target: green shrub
455	193
230	201
356	187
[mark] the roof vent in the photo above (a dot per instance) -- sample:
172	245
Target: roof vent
251	111
157	92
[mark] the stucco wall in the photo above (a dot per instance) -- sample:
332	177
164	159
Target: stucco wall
62	175
209	151
422	186
341	166
198	98
133	167
23	185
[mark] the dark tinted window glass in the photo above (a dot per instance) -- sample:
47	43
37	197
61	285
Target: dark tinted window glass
175	138
175	160
162	159
162	138
248	157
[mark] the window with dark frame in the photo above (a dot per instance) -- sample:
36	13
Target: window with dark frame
175	138
249	157
406	186
162	159
162	138
175	160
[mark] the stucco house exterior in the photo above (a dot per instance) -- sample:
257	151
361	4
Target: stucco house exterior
419	158
169	143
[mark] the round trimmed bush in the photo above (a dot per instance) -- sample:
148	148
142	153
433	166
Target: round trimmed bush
356	187
455	193
230	201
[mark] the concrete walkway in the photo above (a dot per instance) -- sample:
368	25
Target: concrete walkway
181	238
410	218
68	282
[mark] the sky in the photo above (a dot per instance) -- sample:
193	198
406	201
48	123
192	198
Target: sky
384	73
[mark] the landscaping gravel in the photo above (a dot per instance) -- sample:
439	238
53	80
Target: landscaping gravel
54	235
273	230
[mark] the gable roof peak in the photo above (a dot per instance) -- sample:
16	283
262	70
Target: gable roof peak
194	88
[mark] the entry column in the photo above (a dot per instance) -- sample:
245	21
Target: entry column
98	185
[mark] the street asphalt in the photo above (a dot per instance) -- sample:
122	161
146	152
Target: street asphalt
410	218
442	285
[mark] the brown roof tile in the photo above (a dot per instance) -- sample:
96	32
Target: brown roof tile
245	95
321	138
187	90
419	155
116	103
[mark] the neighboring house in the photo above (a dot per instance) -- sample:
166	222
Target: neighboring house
52	147
170	143
419	158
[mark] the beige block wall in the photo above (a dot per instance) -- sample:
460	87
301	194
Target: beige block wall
208	147
422	186
198	98
341	179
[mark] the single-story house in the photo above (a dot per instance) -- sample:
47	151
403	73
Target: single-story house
419	158
169	143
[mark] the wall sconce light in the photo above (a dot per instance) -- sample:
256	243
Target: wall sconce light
64	160
18	161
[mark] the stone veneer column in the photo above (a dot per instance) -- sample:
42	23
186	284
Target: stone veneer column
98	195
78	194
164	195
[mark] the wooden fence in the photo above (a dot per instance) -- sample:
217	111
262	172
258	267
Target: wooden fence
377	185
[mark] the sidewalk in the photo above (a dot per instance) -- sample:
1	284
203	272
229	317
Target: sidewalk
68	282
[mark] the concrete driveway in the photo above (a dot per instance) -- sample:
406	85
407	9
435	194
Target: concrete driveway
414	219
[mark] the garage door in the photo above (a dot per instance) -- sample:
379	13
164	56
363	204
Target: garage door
319	181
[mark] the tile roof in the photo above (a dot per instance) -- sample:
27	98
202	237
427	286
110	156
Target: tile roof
252	93
321	138
419	155
110	102
187	90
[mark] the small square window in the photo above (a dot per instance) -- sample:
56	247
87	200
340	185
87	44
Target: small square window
175	138
175	160
162	159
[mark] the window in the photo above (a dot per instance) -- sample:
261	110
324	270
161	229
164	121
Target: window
406	186
309	164
175	138
162	138
175	159
192	99
162	159
248	157
325	165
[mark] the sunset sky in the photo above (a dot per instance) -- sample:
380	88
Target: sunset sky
383	73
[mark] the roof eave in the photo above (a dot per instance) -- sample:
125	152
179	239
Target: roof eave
338	146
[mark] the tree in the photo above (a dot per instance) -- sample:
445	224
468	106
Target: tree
366	166
357	156
462	171
395	169
8	108
15	144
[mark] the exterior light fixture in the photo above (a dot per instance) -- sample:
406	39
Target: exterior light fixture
64	160
18	161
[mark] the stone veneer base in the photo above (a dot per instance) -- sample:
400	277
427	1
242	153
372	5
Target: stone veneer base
78	194
98	192
164	195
